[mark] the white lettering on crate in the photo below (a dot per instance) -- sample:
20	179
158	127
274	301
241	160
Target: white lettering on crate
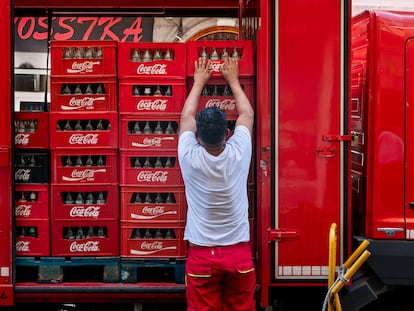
87	174
151	141
21	139
157	69
85	211
23	210
156	105
226	104
80	139
22	246
87	247
79	103
86	66
148	176
22	174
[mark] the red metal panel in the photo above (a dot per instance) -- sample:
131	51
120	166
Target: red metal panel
104	4
409	143
308	107
6	247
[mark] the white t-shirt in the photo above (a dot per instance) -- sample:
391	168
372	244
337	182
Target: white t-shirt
216	189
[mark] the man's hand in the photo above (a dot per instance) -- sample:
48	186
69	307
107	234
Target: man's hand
230	70
202	71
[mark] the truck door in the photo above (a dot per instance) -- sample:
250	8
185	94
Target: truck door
409	144
308	136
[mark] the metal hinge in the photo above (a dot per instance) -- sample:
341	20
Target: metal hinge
282	234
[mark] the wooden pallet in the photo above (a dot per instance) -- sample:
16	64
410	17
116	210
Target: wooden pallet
67	269
152	270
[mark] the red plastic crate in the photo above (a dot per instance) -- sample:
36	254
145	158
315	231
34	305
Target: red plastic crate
31	130
133	173
72	245
31	201
84	94
162	132
151	95
32	243
84	202
153	204
84	166
218	94
132	62
162	247
96	137
244	50
83	58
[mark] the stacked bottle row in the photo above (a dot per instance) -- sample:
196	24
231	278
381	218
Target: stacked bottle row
152	91
31	177
84	200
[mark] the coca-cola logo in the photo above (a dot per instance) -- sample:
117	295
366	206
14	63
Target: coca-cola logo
216	65
85	211
22	246
79	103
23	210
80	139
157	69
157	176
22	139
87	247
156	210
87	174
149	212
148	248
226	104
22	174
85	67
151	142
149	105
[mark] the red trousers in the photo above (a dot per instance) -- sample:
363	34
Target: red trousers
221	278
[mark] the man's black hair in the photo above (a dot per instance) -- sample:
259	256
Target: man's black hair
211	125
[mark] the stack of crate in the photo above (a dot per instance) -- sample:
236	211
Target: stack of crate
152	89
218	93
31	162
84	149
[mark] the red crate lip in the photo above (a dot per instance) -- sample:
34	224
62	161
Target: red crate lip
106	101
154	247
151	141
34	246
85	66
63	174
244	48
86	138
94	246
24	137
84	211
140	176
153	212
25	208
152	69
130	103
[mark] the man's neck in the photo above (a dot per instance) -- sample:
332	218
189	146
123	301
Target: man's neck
215	151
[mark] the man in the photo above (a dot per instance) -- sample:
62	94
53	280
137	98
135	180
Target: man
220	273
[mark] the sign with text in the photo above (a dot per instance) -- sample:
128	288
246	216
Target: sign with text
31	33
